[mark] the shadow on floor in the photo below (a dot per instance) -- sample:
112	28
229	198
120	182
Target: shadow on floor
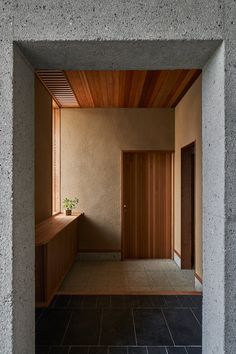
120	325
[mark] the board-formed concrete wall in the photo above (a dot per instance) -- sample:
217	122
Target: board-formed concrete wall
131	34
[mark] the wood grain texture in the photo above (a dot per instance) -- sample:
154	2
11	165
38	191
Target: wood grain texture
56	159
188	206
147	205
49	228
58	86
122	89
56	249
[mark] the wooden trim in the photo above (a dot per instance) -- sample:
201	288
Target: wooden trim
98	251
59	212
122	203
56	159
176	252
172	205
148	150
188	179
198	277
128	292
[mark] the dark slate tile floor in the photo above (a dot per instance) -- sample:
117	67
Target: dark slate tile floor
119	324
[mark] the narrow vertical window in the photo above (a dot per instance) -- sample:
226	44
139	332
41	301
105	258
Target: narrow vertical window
56	159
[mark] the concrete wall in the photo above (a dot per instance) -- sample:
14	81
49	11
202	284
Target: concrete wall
105	35
23	209
188	128
43	153
91	144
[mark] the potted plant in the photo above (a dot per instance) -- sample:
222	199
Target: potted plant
70	204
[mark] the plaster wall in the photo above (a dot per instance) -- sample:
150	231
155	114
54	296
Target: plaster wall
91	145
132	34
188	128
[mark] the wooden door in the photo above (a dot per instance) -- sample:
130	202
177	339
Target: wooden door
187	206
146	204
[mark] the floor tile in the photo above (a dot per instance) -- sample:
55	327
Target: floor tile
118	350
153	266
172	301
185	300
59	350
42	349
78	350
90	302
158	301
194	350
117	327
98	350
38	313
136	277
197	300
76	302
103	301
151	328
145	301
198	313
184	288
184	327
176	350
118	301
83	328
51	326
124	301
60	301
137	350
156	350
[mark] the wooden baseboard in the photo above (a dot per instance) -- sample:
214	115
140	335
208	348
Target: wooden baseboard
179	255
169	292
198	277
96	251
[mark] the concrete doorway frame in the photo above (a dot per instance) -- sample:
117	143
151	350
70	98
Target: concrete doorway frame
18	335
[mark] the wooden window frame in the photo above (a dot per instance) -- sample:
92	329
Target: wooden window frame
56	159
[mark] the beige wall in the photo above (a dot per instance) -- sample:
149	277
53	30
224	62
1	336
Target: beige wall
187	130
43	153
91	144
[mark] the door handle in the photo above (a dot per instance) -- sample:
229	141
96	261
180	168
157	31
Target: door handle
125	206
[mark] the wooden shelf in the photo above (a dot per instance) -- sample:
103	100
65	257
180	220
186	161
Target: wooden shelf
49	228
56	244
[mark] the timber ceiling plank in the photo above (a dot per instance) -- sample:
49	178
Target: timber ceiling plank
121	89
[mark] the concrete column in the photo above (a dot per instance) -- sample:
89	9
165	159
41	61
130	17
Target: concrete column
6	179
213	149
23	208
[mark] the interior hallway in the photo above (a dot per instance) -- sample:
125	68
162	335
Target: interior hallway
127	277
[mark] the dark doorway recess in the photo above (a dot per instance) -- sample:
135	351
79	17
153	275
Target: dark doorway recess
188	206
146	204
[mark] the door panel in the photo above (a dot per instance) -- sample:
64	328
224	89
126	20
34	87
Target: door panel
187	206
147	191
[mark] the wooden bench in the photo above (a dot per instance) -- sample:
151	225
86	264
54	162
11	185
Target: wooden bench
56	241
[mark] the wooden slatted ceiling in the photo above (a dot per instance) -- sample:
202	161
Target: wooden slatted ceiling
58	86
127	89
